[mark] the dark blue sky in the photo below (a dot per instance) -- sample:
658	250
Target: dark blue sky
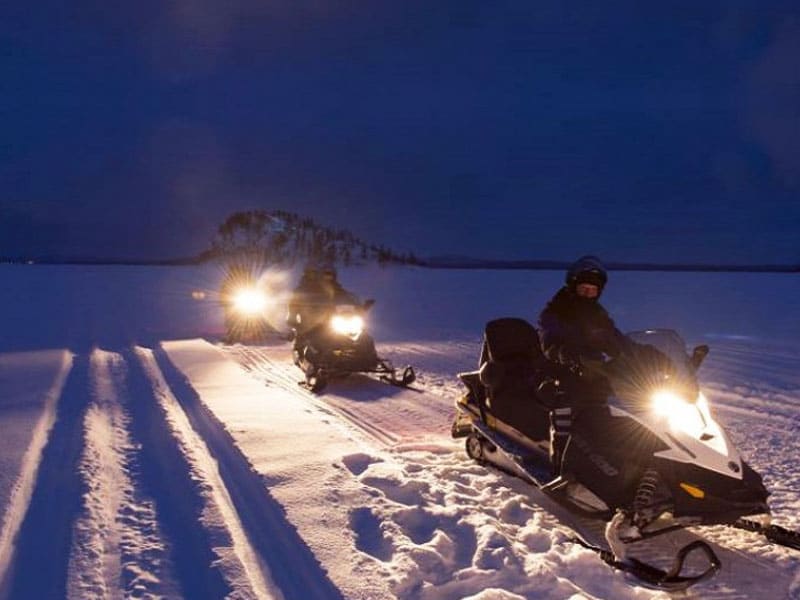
637	131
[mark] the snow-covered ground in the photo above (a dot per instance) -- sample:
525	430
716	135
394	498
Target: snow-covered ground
142	458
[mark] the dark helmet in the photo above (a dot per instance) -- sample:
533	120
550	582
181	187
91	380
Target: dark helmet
587	269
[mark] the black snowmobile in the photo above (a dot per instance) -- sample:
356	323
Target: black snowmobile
339	346
645	456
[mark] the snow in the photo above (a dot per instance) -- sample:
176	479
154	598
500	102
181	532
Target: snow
116	541
30	385
141	457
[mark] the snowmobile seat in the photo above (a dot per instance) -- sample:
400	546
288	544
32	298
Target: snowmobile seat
511	370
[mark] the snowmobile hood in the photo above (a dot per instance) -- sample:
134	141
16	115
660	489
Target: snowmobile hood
709	448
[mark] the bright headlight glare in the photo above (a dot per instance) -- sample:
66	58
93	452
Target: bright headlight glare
682	415
249	301
664	401
351	325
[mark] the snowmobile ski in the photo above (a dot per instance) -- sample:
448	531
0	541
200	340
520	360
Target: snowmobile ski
656	578
774	533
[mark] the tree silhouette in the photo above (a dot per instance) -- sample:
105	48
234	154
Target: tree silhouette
280	237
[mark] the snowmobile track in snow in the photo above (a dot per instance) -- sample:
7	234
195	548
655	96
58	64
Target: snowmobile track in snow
75	540
120	507
38	568
166	474
294	568
370	406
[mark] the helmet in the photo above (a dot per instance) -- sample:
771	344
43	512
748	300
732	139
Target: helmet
587	269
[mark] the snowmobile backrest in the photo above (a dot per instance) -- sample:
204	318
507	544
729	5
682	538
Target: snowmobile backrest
512	360
511	338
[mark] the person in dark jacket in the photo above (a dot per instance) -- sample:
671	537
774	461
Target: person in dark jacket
303	296
315	297
311	306
574	327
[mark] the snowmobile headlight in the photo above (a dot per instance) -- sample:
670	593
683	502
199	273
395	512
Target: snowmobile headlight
682	415
349	325
249	301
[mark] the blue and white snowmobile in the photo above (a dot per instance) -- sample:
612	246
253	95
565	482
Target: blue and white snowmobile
645	456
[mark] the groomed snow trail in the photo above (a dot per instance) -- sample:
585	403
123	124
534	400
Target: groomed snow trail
386	413
235	551
128	502
43	375
117	548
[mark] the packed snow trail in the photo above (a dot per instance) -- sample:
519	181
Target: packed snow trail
295	568
389	414
30	385
190	459
128	501
42	553
117	548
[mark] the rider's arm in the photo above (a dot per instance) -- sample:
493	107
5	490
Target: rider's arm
558	338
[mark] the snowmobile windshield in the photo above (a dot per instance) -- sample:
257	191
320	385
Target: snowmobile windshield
655	380
656	365
670	344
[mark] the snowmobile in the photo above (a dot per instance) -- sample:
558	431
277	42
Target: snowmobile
340	346
644	456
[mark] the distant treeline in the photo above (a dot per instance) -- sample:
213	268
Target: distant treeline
280	237
455	262
433	263
91	260
284	238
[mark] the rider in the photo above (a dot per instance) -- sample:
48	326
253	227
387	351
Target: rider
316	295
574	327
313	301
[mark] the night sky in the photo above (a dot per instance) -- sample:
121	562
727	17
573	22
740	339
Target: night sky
635	131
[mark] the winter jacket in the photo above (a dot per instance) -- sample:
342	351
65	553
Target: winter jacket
572	328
